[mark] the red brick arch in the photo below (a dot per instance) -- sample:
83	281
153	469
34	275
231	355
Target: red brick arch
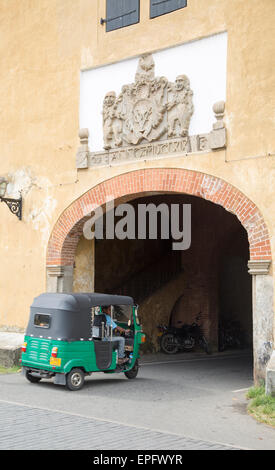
68	228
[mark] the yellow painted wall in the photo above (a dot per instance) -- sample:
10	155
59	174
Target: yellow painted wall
43	46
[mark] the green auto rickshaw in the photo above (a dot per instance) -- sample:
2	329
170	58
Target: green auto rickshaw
67	338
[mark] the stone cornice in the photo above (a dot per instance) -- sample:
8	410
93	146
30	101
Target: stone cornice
259	267
215	140
55	271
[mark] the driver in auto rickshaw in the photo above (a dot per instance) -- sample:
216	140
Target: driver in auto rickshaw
121	340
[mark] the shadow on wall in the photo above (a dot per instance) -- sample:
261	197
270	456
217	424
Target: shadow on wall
156	310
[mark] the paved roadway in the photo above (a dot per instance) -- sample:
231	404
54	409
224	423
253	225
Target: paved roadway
184	402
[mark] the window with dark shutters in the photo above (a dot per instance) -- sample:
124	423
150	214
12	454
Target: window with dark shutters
161	7
121	13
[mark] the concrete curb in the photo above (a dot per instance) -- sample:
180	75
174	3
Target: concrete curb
10	348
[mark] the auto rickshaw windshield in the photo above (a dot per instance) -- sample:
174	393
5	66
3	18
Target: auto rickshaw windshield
122	313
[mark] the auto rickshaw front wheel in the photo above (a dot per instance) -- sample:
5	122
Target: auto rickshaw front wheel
131	374
75	379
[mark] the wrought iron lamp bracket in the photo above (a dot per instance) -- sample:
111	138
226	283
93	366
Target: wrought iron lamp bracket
14	205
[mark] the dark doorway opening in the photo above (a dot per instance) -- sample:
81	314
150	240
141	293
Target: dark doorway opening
210	277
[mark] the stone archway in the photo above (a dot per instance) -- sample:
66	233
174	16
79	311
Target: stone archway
68	229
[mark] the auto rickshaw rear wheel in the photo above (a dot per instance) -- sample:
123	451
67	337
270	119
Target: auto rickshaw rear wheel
31	378
131	374
75	379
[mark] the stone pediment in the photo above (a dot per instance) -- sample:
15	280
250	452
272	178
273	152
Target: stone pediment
148	119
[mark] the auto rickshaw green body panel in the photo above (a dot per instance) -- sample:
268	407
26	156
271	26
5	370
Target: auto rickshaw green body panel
59	336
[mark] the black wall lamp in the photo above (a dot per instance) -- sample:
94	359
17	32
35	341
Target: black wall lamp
14	205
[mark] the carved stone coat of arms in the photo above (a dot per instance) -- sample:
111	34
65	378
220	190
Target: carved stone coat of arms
148	110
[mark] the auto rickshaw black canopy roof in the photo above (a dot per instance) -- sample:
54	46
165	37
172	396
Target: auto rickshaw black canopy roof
74	302
69	314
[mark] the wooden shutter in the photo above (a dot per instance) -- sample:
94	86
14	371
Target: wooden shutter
121	13
161	7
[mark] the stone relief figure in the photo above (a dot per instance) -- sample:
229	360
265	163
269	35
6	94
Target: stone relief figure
147	110
150	111
180	107
142	101
112	123
146	68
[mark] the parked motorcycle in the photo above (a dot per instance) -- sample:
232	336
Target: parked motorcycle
231	336
184	337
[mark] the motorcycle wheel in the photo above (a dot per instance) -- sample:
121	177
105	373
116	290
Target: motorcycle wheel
168	344
189	344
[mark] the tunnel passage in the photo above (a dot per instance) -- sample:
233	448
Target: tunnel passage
170	286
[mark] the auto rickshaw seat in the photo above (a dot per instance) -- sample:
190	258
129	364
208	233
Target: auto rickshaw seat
99	327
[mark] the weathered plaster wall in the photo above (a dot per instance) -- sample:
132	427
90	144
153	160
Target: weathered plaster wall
43	47
262	322
84	267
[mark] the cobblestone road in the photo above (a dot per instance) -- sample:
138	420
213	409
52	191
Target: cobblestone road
24	427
